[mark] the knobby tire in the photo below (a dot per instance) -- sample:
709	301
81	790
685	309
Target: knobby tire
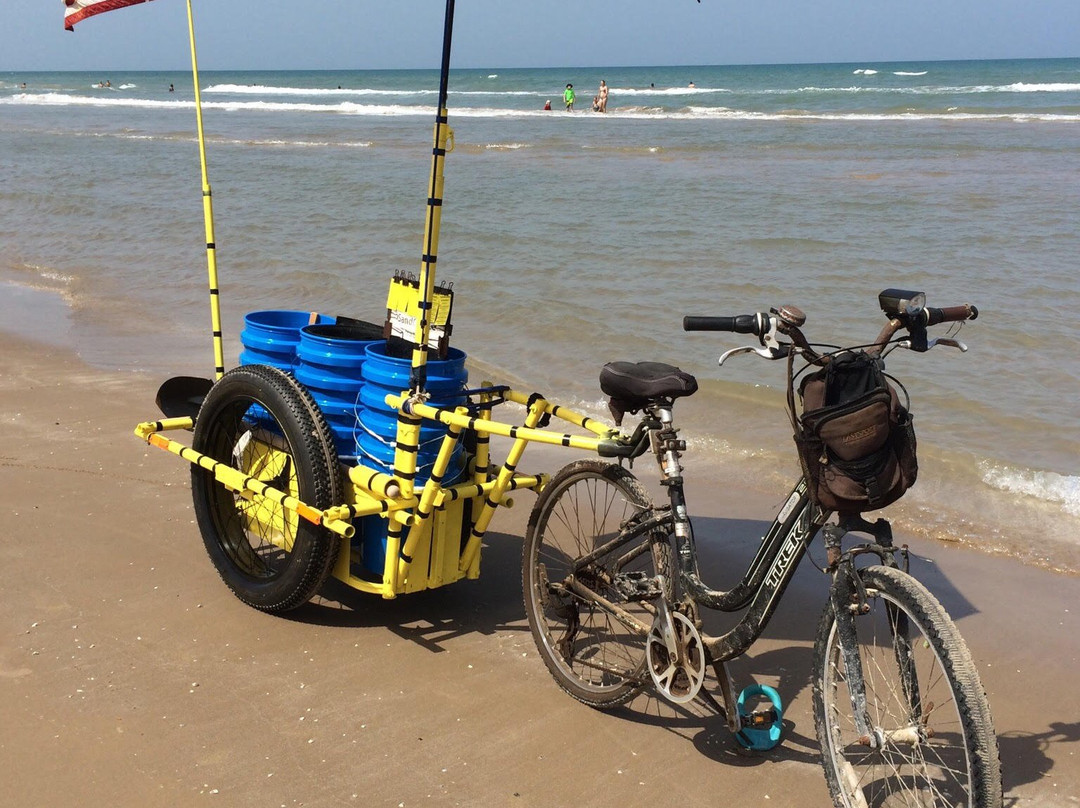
922	693
258	419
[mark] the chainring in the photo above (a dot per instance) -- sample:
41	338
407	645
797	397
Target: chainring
677	679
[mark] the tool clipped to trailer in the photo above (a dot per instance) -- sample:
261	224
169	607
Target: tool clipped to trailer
762	727
403	309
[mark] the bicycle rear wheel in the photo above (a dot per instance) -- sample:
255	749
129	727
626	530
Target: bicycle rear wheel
596	658
261	421
932	725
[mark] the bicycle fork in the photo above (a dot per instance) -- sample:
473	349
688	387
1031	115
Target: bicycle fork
849	600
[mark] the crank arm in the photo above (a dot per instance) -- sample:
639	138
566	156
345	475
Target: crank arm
667	626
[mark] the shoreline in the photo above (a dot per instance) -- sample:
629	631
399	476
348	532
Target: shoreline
951	505
130	676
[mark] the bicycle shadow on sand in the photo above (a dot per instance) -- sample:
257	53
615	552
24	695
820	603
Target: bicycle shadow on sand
1025	757
782	657
436	619
709	733
494	602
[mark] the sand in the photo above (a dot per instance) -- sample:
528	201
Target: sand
130	676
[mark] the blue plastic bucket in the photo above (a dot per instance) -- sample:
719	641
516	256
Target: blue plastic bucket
271	337
384	374
329	360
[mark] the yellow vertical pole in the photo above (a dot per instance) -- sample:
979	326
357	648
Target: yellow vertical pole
502	480
208	211
426	505
482	458
431	246
390	563
418	378
406	451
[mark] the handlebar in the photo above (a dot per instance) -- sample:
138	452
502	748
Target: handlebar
786	321
951	314
756	324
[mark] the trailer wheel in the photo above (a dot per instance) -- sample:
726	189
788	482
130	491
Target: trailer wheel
259	420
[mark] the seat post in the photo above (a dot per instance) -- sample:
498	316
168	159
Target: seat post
666	442
668	448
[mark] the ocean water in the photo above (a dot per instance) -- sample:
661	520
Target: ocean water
573	239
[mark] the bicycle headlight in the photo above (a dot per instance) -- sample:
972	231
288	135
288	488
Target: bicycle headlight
901	303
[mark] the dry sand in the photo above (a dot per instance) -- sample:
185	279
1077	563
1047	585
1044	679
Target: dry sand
130	676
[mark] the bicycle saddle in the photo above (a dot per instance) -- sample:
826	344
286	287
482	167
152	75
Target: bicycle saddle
632	386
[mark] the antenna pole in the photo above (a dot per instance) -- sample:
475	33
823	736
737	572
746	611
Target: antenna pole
208	211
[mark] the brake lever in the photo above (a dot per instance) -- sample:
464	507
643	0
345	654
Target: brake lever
947	342
779	351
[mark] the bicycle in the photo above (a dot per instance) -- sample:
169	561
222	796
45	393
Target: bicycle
613	596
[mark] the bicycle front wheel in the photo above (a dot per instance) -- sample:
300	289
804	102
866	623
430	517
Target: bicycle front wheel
933	739
595	656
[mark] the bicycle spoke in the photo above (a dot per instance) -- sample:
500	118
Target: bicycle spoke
579	514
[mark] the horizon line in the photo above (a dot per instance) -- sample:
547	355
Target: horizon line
187	69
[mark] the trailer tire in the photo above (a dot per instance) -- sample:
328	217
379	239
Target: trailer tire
260	420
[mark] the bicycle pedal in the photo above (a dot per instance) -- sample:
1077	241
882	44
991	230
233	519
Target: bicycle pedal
760	729
762	718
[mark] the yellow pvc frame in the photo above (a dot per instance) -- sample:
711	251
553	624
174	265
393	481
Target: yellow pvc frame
412	515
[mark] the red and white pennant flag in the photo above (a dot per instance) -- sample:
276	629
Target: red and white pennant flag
79	10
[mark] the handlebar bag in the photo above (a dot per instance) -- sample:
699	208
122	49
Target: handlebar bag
856	441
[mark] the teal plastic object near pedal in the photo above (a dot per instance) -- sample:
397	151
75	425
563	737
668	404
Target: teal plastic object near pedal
765	736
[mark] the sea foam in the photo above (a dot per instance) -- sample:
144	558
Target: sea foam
1047	486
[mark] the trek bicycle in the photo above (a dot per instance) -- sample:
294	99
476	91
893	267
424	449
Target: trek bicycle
614	596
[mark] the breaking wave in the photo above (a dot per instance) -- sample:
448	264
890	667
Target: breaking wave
1047	486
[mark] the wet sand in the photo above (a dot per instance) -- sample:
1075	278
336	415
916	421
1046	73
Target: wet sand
130	676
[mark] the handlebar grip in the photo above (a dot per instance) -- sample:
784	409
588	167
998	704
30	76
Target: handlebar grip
951	314
742	324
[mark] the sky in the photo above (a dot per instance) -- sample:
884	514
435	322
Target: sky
365	34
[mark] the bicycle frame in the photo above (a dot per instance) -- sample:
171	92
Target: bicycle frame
760	589
766	578
769	573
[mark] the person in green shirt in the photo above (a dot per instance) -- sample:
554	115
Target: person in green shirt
569	97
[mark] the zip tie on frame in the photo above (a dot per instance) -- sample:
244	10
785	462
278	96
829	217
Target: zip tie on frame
414	398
